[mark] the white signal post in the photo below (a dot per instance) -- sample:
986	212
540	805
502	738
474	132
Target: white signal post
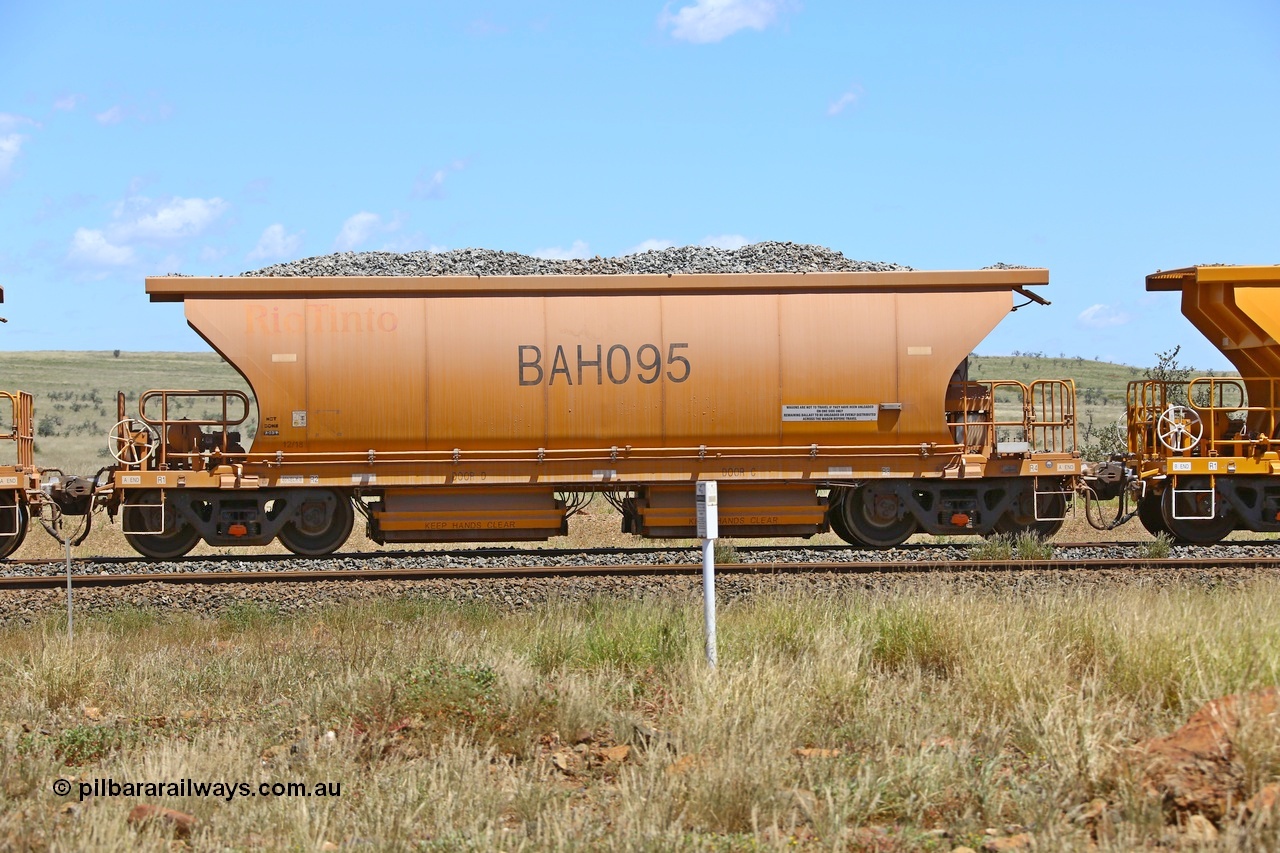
708	511
70	621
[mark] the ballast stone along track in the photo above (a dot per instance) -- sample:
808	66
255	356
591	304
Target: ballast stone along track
942	559
447	406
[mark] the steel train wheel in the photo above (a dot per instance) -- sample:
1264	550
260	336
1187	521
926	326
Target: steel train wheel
1196	531
14	519
870	514
1023	519
142	513
1150	515
323	524
835	518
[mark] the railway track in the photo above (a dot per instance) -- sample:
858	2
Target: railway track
923	549
107	579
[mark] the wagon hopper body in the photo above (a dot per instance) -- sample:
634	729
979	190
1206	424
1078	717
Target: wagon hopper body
467	408
1205	452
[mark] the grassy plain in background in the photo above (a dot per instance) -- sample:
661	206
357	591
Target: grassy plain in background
75	395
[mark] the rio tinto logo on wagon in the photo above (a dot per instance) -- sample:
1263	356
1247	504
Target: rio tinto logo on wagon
318	318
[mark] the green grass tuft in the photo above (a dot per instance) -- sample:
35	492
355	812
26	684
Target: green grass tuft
1158	548
996	547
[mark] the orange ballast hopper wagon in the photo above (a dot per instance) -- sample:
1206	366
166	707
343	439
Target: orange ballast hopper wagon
1205	451
457	407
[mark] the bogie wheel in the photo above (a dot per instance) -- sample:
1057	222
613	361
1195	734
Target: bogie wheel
835	517
144	513
1022	519
873	516
1196	531
322	525
1151	516
14	519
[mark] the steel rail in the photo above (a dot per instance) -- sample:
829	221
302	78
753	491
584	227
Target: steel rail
505	573
546	553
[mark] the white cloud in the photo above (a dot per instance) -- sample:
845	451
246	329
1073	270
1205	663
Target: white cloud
713	20
11	143
486	27
358	229
649	246
175	219
91	248
405	242
578	250
137	218
432	186
67	103
726	241
146	111
9	147
848	99
275	243
114	115
1102	317
9	121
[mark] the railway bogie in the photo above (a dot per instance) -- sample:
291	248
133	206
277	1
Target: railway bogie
164	523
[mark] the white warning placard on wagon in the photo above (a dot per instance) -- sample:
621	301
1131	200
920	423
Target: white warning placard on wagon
831	413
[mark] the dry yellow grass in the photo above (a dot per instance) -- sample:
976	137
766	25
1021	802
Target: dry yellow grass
886	720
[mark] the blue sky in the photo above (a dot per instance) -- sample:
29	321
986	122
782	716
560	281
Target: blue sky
1102	140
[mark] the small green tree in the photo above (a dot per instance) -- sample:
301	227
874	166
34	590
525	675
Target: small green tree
1173	374
1100	443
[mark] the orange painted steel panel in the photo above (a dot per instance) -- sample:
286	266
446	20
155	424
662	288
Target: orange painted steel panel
358	383
462	515
731	396
754	364
935	333
830	339
745	510
590	403
469	362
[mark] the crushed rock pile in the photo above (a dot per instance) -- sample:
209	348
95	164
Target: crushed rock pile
757	257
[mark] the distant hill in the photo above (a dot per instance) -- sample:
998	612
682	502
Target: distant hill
1100	385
